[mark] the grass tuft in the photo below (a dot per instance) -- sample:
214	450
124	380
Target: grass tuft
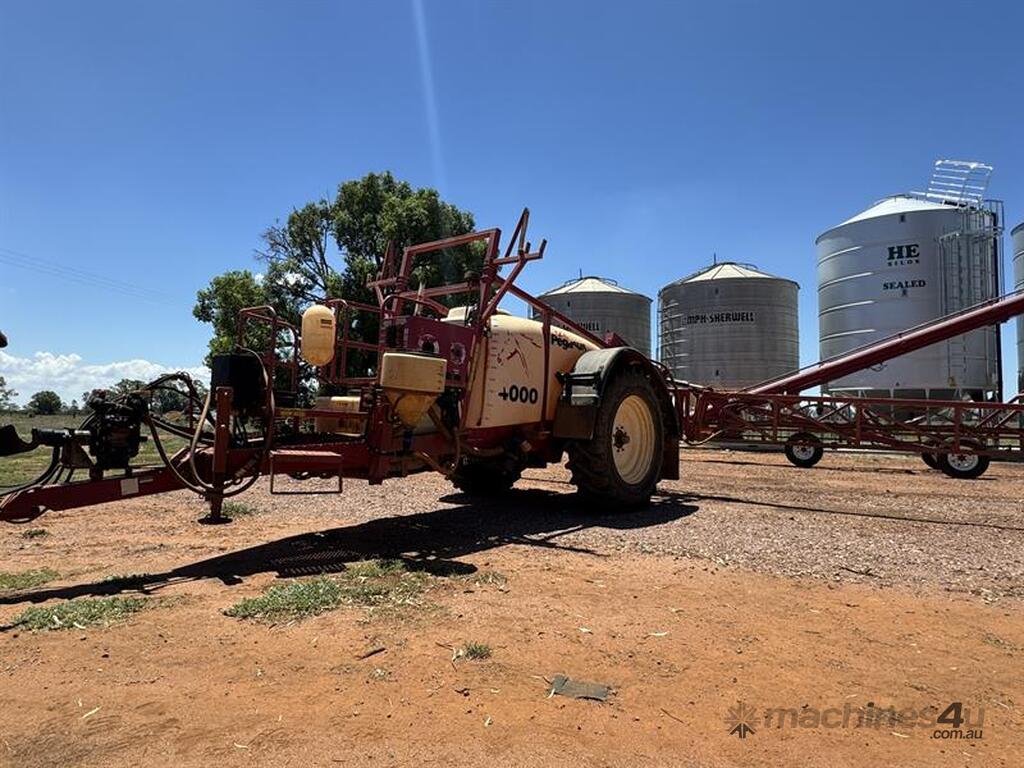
290	601
34	533
487	578
373	584
77	614
26	579
475	651
375	569
238	509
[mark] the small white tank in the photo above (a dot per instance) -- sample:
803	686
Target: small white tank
317	343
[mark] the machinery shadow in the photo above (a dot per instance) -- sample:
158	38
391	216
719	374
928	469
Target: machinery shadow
430	541
666	494
853	513
922	470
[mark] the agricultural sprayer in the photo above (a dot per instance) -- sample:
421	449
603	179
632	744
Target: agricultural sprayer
449	382
470	391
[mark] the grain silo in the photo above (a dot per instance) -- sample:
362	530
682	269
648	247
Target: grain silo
729	325
907	260
1018	284
601	305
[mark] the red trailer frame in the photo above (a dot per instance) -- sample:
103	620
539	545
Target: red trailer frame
773	413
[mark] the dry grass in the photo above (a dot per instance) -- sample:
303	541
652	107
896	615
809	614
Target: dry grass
475	651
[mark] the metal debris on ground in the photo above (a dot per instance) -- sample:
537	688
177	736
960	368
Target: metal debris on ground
579	689
371	652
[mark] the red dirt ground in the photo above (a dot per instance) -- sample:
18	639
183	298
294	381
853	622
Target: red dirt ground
681	640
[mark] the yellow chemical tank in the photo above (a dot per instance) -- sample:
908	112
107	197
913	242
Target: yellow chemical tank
318	335
411	383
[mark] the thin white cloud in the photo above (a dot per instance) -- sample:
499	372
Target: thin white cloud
69	375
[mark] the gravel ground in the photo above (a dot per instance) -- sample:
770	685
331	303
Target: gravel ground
725	589
883	520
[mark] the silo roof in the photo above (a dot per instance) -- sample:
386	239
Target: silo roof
727	270
590	284
889	206
897	204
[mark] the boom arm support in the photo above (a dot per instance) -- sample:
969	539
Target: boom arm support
989	313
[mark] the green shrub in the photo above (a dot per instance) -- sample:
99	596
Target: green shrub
26	579
81	613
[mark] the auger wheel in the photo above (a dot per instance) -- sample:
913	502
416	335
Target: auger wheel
964	465
620	466
803	450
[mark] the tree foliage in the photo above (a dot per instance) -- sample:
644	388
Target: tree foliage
172	397
220	303
378	209
45	403
331	248
124	386
7	395
299	254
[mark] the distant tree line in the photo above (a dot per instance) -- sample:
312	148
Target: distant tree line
47	402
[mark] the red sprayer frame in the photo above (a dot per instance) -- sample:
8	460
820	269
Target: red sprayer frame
220	466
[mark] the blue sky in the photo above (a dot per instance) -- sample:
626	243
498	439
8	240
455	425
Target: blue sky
150	144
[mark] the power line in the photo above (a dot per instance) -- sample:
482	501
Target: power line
19	259
81	276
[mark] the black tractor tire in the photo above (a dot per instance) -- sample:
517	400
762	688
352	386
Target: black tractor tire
617	470
964	466
485	478
804	450
931	459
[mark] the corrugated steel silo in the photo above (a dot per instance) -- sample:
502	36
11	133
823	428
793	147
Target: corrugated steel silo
902	262
1017	236
730	326
601	305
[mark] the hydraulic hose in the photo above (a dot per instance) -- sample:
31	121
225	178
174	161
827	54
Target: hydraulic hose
209	487
42	479
195	438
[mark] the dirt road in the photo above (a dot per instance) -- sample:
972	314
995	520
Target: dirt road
816	600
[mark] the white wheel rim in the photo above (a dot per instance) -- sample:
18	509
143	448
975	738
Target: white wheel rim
963	462
803	452
633	439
